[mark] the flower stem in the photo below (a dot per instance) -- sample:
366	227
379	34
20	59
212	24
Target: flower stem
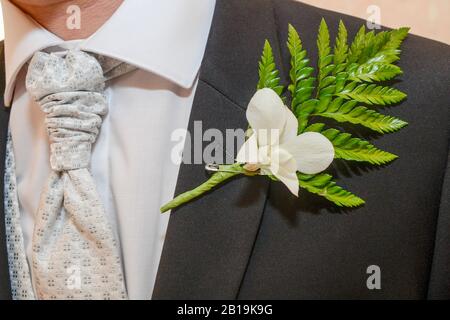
225	172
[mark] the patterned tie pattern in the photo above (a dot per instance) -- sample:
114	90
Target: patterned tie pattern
75	251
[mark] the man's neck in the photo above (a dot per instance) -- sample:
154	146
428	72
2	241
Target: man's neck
73	19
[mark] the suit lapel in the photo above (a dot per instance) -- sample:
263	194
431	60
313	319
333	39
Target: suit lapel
5	290
209	241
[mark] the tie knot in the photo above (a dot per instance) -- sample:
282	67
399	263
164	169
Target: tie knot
69	91
53	73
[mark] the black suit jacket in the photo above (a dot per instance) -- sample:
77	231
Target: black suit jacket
250	239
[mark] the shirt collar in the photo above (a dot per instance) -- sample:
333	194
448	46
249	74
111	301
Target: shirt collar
164	37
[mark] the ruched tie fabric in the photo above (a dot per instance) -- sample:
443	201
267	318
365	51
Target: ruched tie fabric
75	252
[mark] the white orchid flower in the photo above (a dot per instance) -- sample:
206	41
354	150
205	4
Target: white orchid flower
274	146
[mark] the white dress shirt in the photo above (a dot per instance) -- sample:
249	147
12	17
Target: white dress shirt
131	160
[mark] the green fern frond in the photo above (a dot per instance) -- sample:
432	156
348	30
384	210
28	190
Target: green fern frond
326	65
324	185
369	40
268	73
381	47
390	51
373	42
357	46
374	72
302	83
347	147
340	49
396	38
349	111
347	76
371	94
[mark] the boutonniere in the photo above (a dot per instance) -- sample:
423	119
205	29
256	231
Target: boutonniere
288	144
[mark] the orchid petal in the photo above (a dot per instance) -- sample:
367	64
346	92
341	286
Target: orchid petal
284	167
290	127
312	151
265	116
249	151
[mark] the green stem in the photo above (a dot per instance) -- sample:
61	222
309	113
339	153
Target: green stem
225	172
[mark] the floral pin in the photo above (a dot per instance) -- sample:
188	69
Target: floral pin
286	144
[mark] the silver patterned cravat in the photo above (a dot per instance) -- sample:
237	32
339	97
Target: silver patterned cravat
75	253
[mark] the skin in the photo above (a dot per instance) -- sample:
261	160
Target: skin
52	15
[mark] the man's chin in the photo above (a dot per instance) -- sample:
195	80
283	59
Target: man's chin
38	2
